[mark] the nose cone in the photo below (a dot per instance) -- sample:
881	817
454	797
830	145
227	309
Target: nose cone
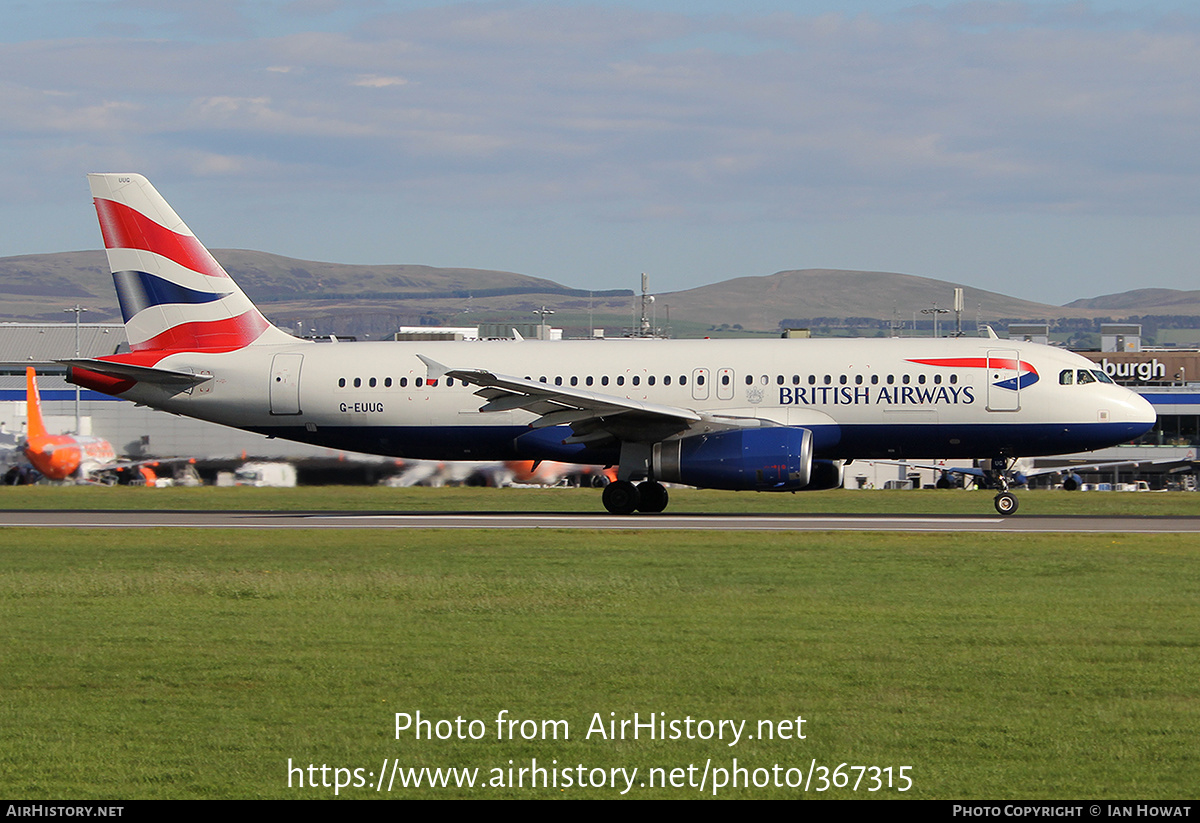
1140	413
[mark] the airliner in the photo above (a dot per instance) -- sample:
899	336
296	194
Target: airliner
762	415
60	456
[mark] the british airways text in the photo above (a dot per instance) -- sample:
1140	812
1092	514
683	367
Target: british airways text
886	395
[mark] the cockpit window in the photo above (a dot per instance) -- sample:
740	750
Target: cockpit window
1066	377
1101	376
1085	376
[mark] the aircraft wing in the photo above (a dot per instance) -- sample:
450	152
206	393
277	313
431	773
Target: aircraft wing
1113	464
592	416
1066	468
975	471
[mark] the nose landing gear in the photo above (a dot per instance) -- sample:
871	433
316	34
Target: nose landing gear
1006	502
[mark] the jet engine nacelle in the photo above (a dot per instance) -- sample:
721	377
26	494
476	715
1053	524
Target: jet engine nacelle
1072	482
778	458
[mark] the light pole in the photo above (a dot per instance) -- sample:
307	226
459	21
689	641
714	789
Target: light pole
935	311
78	309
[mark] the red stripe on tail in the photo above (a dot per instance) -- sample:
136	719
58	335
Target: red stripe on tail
125	228
212	335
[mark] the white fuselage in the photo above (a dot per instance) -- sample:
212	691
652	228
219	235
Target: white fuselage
862	398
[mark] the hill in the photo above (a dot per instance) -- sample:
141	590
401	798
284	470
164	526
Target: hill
1144	301
353	299
762	302
39	287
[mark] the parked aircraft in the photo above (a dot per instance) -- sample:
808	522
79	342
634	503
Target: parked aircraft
776	415
60	456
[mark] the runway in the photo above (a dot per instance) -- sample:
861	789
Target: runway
75	519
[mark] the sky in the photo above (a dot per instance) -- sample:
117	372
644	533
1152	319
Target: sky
1046	150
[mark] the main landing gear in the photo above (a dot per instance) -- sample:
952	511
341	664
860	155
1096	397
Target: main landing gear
623	497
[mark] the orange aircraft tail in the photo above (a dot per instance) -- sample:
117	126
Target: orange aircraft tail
37	427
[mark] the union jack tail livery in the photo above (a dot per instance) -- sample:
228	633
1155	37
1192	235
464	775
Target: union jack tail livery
174	296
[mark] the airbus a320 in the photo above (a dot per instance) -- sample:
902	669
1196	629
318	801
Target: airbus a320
761	415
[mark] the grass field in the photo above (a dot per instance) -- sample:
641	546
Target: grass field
178	663
367	498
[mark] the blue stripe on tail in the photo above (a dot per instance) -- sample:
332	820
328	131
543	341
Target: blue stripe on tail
138	290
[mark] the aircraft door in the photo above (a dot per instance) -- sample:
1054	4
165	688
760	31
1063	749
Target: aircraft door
725	384
285	383
1004	383
699	384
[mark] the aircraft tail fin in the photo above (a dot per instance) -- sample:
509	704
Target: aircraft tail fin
174	295
33	406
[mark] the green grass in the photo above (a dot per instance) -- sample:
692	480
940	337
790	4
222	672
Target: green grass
366	498
169	663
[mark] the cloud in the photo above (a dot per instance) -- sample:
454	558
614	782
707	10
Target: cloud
976	106
374	81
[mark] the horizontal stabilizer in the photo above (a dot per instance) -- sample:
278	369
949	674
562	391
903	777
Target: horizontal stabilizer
142	374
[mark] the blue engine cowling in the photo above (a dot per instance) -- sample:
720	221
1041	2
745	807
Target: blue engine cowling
778	458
